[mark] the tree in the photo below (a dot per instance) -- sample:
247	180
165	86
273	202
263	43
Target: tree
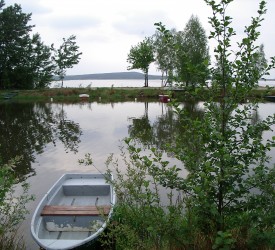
230	181
34	68
260	60
40	63
24	60
13	208
14	37
164	52
183	55
229	193
192	53
141	56
66	56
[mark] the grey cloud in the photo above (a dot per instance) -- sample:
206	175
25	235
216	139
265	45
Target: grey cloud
141	23
30	6
73	22
92	37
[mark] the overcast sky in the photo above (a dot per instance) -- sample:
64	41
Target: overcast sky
106	29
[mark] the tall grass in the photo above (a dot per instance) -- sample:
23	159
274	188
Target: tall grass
12	241
12	207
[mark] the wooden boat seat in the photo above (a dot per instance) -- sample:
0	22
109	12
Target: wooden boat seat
75	210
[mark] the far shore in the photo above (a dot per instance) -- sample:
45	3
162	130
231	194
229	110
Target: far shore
109	93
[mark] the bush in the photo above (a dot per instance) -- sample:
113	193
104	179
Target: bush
12	207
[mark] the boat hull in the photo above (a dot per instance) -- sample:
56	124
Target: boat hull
70	213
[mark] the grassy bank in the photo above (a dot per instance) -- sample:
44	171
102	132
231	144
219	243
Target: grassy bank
104	94
107	94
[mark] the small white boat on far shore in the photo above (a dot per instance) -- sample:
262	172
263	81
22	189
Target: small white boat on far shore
84	96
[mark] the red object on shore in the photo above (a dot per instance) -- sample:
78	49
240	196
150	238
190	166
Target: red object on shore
164	98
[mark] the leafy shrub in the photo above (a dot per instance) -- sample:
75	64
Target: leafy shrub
12	207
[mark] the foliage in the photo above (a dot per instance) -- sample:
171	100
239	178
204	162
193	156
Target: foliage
191	62
165	53
66	56
12	207
229	174
24	60
223	241
183	55
260	60
140	220
229	193
141	56
39	56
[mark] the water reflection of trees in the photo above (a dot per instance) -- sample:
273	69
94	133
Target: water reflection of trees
192	137
171	129
164	130
26	129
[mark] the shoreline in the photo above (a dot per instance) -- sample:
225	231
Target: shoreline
109	94
104	93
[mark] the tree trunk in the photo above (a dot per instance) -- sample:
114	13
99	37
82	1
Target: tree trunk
145	80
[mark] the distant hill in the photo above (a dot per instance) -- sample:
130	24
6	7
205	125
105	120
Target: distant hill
110	76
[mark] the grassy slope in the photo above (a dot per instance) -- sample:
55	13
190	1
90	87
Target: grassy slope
106	94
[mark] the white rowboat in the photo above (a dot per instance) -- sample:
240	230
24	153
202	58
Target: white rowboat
73	212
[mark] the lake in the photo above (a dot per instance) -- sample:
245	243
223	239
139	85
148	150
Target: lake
52	137
106	83
122	83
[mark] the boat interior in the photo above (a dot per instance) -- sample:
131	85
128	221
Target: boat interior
69	215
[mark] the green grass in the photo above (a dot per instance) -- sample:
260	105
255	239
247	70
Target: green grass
104	94
110	94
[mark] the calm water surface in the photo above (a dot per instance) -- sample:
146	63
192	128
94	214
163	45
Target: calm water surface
52	137
106	83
